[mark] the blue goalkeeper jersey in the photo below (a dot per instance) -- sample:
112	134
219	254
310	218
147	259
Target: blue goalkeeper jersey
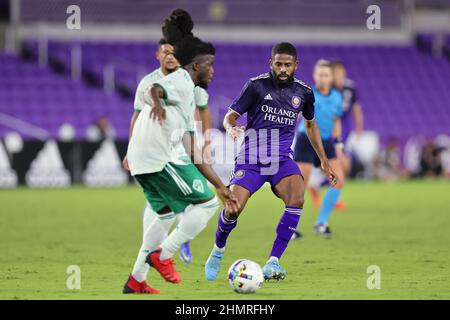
326	109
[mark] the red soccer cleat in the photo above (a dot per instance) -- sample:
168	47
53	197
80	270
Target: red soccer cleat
340	206
134	286
145	288
165	267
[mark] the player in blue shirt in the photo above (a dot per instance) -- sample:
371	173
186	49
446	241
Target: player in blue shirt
352	119
328	110
272	102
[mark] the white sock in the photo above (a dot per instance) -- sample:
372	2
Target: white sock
178	218
195	219
272	258
147	217
140	269
155	233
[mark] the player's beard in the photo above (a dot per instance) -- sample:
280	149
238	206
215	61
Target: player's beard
203	81
283	82
203	84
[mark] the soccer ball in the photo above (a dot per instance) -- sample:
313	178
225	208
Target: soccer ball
245	276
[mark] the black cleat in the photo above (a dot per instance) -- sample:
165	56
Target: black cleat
323	230
127	289
297	235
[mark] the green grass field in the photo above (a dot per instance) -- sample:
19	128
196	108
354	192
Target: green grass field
401	227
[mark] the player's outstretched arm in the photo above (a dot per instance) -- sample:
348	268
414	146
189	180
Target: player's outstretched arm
205	118
228	199
230	124
132	122
337	128
313	133
358	118
157	113
337	134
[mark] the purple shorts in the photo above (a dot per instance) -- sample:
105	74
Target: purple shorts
253	176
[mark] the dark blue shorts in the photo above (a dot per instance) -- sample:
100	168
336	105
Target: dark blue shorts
304	151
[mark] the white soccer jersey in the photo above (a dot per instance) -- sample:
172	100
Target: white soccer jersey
143	85
201	96
153	145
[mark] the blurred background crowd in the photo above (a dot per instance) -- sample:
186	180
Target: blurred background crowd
66	93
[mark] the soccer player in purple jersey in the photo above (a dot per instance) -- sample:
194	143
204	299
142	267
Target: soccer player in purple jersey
272	102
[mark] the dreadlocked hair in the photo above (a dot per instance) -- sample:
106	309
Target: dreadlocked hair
177	26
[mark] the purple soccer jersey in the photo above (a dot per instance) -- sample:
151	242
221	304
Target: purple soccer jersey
266	154
349	98
272	113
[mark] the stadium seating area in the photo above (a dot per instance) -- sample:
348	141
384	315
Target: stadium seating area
318	12
425	42
47	100
403	90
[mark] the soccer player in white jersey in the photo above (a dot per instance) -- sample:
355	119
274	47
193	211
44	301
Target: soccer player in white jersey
168	64
170	184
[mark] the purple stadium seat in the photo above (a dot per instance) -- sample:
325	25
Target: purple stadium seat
403	91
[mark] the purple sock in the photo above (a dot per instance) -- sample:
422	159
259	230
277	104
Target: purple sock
223	229
285	229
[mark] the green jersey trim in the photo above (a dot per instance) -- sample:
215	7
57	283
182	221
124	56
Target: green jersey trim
182	185
163	89
205	106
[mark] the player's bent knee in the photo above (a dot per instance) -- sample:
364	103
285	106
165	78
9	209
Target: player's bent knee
197	216
233	215
210	207
341	182
295	201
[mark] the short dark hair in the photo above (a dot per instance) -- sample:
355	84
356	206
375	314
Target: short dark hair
162	41
190	47
284	48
